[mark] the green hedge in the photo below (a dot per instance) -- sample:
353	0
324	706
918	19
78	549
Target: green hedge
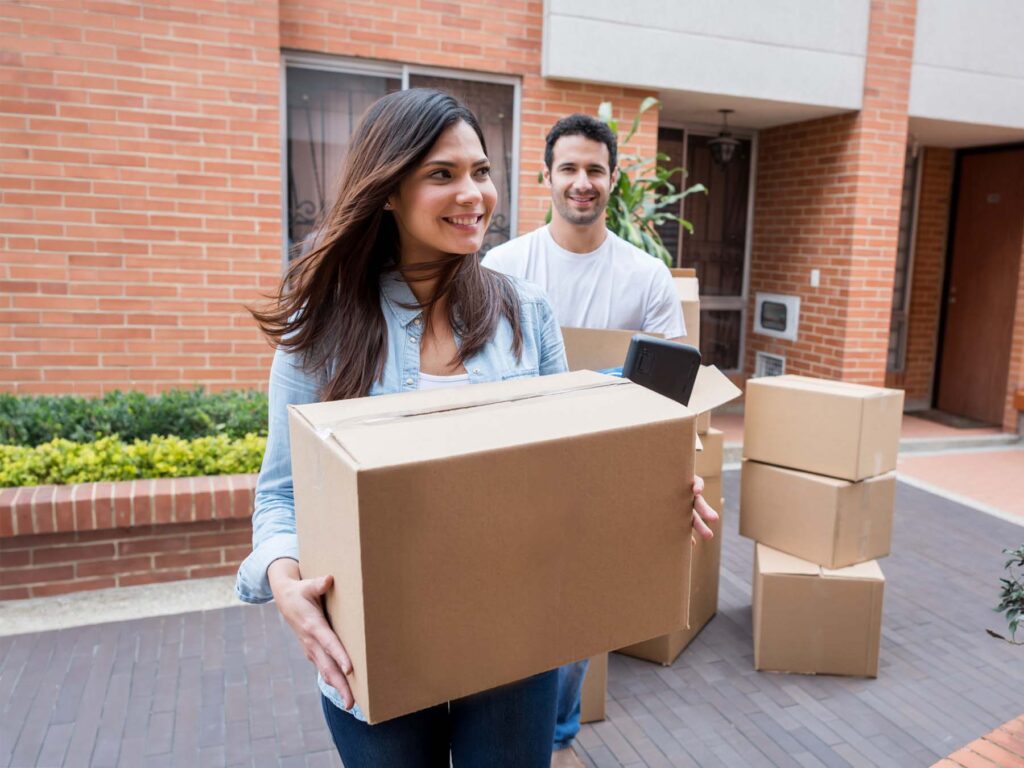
188	414
61	461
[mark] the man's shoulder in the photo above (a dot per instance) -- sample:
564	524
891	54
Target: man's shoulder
637	258
511	252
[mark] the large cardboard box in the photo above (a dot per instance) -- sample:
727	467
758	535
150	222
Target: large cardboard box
814	620
595	689
688	291
709	458
479	535
830	522
831	428
705	567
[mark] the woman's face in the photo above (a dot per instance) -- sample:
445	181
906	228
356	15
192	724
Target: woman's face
445	204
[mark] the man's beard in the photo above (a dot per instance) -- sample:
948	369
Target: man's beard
580	217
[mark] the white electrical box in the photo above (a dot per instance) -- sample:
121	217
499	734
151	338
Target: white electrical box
777	315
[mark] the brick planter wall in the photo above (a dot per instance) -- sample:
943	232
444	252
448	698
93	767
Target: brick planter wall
56	539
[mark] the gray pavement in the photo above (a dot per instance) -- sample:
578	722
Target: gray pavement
230	687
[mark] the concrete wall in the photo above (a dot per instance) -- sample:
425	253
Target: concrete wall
969	62
800	51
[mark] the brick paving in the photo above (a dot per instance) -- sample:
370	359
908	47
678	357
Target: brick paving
230	687
1002	748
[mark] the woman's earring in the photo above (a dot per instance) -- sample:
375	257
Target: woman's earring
387	206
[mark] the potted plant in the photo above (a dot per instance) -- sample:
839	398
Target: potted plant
1012	596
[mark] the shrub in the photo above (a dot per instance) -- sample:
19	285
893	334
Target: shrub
62	461
187	414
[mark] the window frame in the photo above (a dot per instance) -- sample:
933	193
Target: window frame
402	72
726	303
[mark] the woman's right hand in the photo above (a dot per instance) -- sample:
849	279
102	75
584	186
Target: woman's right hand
298	600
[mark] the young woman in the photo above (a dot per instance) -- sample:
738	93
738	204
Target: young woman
392	298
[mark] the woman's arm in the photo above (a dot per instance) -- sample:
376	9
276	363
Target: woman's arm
552	347
273	517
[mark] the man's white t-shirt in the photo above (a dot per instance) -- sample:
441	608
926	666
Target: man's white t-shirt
618	286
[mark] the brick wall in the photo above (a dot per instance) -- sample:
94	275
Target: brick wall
926	277
141	171
488	36
69	538
141	193
828	198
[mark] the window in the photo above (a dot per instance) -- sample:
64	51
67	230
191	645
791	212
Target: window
718	248
324	99
897	357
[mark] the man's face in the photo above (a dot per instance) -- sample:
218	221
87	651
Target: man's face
580	179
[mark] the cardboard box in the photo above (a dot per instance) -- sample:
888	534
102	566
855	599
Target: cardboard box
703	422
594	349
831	428
830	522
595	689
705	566
479	535
814	620
709	458
688	290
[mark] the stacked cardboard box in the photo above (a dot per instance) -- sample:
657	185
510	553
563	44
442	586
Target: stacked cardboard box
817	495
705	558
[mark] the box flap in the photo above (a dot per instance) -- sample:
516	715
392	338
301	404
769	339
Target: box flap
680	272
869	571
711	390
415	427
772	561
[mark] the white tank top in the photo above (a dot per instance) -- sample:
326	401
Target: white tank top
430	381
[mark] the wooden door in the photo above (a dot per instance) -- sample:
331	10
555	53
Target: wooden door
982	285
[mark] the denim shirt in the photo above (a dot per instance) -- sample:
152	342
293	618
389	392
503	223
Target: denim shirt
273	518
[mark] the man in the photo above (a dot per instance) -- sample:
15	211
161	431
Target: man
594	279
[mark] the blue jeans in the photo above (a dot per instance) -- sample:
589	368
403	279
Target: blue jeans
570	685
506	727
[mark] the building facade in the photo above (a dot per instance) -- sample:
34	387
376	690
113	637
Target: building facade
160	163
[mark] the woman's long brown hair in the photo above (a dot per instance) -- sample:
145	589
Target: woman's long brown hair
327	307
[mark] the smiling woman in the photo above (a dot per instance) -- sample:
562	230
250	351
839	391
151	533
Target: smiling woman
393	298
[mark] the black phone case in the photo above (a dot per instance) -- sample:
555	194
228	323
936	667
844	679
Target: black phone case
667	367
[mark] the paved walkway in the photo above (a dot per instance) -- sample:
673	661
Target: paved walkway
230	687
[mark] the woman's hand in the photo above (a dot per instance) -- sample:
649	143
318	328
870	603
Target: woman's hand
702	510
298	600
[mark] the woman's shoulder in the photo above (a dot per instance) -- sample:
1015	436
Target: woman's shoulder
529	293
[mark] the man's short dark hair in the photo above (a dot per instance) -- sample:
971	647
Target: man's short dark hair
581	125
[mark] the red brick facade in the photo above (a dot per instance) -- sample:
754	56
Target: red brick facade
141	169
828	198
141	194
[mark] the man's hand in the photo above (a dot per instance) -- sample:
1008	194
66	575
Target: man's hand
298	600
702	511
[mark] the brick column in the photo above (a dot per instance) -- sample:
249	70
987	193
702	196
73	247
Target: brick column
828	198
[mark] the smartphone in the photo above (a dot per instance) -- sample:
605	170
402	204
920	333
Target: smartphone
667	367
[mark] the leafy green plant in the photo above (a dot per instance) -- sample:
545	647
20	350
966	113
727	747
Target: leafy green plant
643	197
61	461
1012	596
132	415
